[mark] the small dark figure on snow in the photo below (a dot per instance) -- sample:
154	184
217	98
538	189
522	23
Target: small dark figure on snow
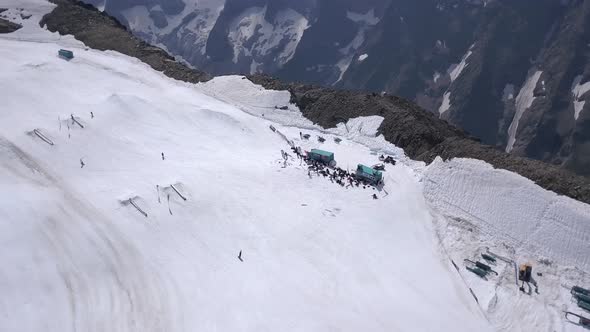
91	115
163	158
374	196
240	256
82	164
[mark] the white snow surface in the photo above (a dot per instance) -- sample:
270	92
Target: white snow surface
457	69
578	90
524	100
364	22
512	208
363	57
366	18
316	256
196	30
435	76
288	25
489	209
366	125
446	103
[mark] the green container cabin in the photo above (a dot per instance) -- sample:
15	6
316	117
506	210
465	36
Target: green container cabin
582	297
477	271
367	173
584	305
578	289
66	54
322	156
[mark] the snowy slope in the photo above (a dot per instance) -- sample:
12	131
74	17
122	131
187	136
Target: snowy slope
484	208
316	256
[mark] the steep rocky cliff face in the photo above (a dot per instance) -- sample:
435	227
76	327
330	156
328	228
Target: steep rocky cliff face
509	72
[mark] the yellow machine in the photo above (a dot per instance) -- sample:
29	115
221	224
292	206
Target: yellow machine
525	272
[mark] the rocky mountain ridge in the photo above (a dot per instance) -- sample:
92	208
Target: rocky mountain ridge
514	76
420	133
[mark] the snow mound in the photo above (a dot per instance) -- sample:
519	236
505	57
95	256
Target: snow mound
364	125
512	209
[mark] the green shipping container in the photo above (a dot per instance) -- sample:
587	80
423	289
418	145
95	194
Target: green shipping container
578	289
584	305
66	54
321	156
369	174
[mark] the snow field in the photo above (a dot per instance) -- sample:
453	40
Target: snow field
480	207
316	256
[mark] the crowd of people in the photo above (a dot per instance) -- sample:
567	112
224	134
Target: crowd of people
336	175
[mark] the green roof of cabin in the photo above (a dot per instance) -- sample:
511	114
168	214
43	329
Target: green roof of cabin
323	153
368	170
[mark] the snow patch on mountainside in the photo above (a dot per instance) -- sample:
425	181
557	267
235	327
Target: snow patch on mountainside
193	25
456	69
524	100
578	90
367	18
251	35
365	125
435	76
508	93
365	22
446	103
139	21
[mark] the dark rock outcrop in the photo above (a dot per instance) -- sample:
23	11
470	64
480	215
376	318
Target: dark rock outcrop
7	26
103	32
